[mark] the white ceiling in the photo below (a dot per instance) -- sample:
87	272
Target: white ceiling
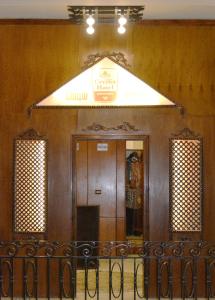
154	9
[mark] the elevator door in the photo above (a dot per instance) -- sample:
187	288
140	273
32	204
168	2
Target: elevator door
100	181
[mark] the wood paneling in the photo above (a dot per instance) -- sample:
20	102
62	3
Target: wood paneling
81	173
176	60
98	181
120	177
105	185
120	229
107	229
35	60
102	177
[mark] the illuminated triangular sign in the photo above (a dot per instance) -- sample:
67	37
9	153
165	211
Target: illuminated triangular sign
105	84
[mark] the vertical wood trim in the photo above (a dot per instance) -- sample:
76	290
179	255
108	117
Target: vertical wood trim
120	193
116	187
87	176
73	189
81	173
146	212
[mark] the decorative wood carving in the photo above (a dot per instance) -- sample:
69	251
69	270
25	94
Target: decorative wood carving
125	126
117	57
186	133
185	182
30	195
30	134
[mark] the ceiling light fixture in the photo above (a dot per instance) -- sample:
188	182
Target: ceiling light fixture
90	30
121	29
105	15
90	22
122	22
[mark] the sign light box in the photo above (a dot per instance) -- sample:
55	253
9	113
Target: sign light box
105	84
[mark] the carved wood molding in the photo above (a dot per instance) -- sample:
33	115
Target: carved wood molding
117	57
186	133
30	134
125	126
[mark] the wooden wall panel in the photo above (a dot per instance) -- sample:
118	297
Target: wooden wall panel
81	173
176	60
59	172
107	229
102	176
120	229
120	209
121	165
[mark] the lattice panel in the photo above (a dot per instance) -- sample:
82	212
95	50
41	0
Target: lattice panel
185	185
30	185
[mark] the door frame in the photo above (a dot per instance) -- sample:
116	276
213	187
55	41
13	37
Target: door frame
104	137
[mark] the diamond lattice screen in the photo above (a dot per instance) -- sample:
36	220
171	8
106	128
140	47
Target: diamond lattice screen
30	186
185	185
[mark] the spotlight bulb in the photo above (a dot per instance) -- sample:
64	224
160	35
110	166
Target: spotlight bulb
90	30
122	20
90	21
121	29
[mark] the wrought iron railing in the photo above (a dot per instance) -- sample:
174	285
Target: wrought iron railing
108	270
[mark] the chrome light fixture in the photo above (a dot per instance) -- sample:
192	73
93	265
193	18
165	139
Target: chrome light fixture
122	22
90	22
92	15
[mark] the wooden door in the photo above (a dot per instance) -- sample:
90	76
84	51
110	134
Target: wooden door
100	181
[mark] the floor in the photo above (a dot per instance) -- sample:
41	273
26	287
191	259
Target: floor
120	286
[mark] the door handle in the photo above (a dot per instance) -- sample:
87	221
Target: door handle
98	192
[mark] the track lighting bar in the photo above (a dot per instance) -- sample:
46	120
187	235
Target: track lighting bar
105	14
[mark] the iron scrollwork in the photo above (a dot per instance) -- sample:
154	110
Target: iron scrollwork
174	262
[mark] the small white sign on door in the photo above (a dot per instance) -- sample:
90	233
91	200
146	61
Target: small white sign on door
102	147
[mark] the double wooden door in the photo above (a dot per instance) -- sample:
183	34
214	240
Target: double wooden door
99	180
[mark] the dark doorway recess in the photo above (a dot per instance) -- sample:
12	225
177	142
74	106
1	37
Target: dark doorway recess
87	230
87	223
